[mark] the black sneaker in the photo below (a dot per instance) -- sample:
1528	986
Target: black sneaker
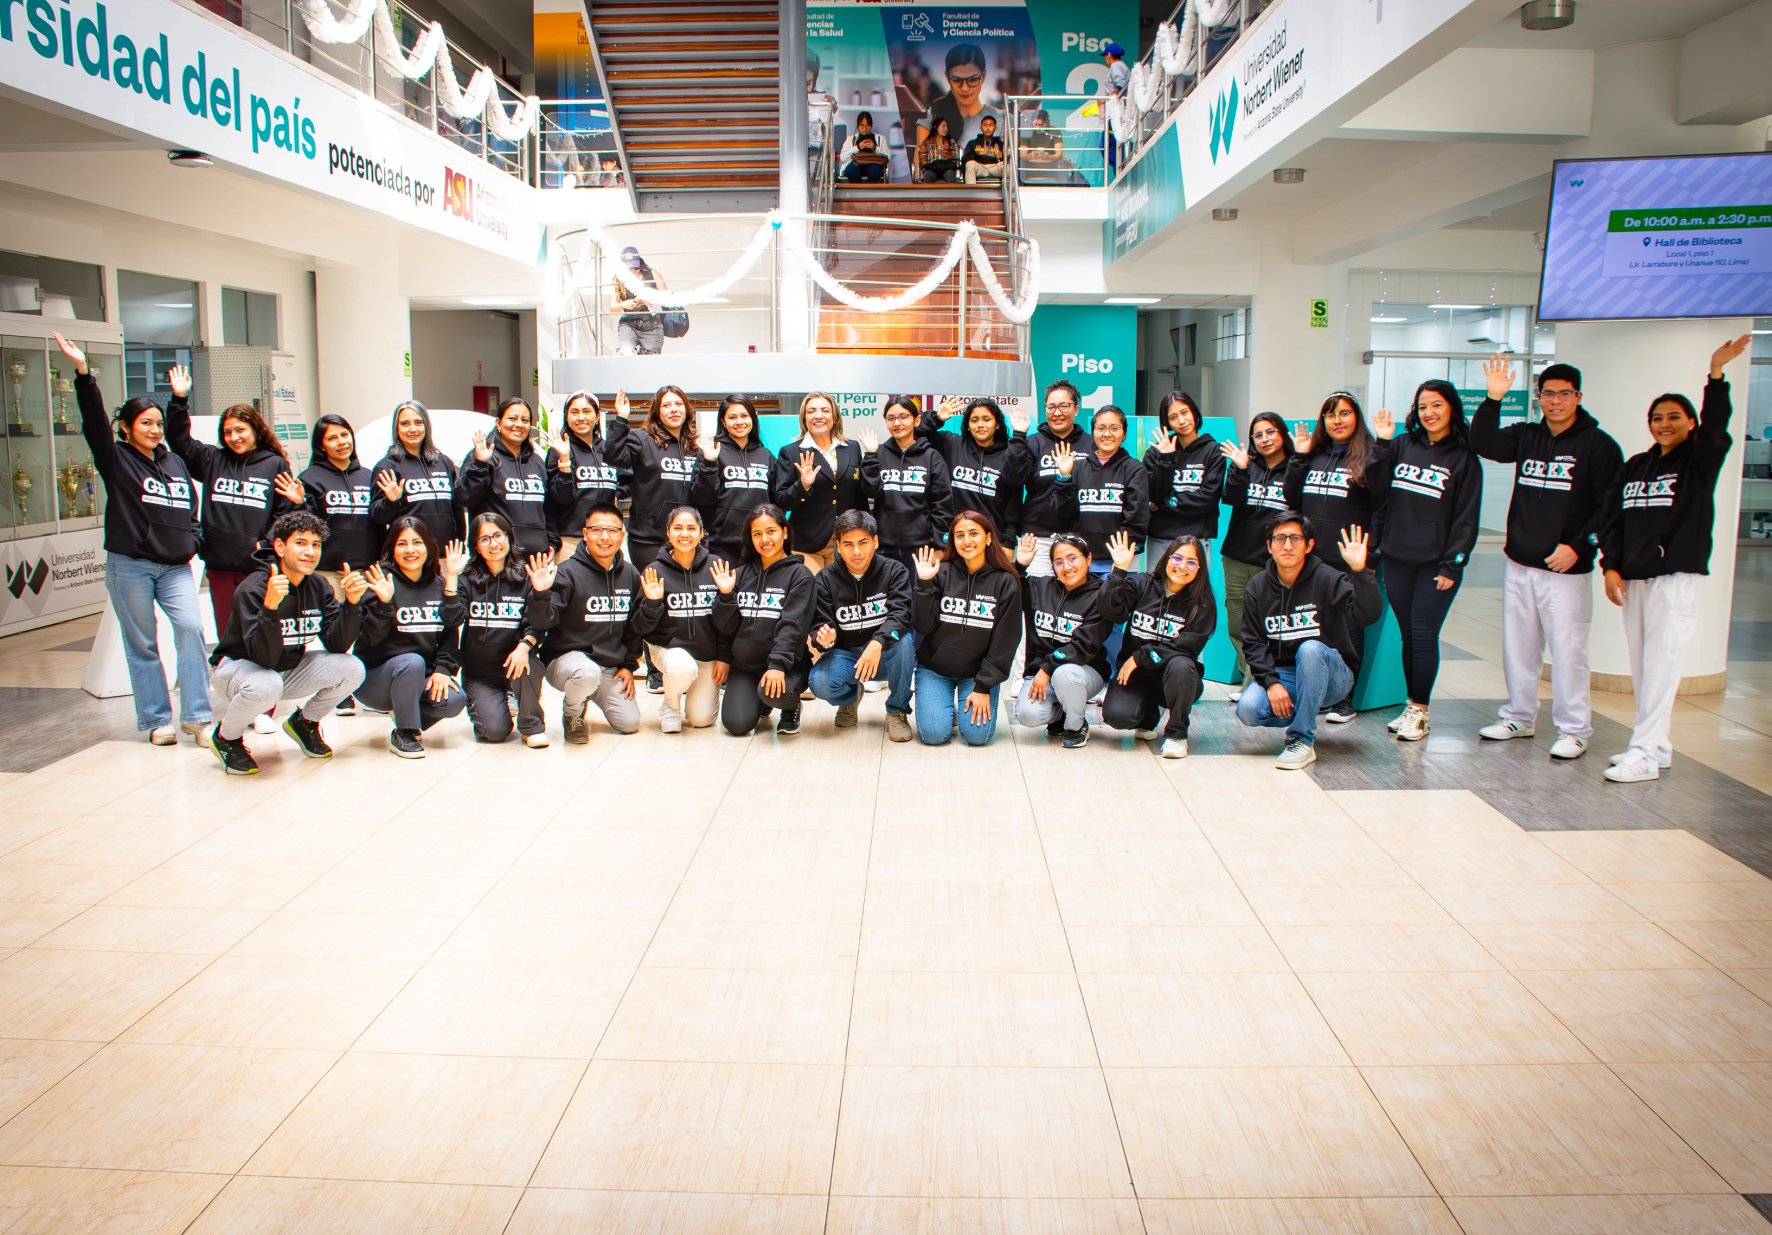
1076	739
405	743
306	734
654	682
236	760
789	724
346	706
1055	726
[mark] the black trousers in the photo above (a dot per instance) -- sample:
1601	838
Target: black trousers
744	703
1177	686
490	712
1421	609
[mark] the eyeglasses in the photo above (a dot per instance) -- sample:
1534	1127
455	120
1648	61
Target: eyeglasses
971	79
1183	563
1065	406
899	418
1286	538
1558	395
1262	433
603	531
491	538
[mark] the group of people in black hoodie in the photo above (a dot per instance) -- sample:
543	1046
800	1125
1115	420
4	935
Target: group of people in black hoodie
922	563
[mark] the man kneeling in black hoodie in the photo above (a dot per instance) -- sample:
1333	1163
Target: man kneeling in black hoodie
586	621
1298	615
262	656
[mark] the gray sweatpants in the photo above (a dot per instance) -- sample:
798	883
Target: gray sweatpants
1068	692
582	680
242	689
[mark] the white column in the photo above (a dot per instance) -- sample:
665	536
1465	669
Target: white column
364	332
1294	365
1623	366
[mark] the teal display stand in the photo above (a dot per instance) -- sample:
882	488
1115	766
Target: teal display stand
1380	684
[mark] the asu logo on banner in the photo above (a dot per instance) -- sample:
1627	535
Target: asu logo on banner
458	194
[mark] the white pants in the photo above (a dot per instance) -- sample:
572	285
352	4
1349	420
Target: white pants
689	687
1659	618
1540	607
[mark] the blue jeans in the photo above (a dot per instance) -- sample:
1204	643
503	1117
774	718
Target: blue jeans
136	585
939	700
1318	676
833	677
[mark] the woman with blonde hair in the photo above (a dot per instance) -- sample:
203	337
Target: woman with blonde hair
818	478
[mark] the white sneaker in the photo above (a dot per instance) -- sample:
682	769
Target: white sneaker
1568	747
1297	756
1145	735
1173	748
1501	731
1414	726
1633	770
670	720
1622	755
1397	723
535	741
264	724
875	685
165	735
198	729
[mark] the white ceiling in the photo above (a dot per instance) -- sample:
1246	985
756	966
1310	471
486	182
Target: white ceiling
1608	23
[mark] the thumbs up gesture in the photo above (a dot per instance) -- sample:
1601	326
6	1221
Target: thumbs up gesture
276	588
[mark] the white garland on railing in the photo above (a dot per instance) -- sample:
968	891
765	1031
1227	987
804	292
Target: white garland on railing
1174	51
479	100
1146	85
965	242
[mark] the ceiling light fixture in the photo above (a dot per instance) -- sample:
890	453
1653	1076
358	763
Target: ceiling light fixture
1388	321
1547	14
1225	214
189	158
1458	307
158	304
1288	175
492	302
1132	300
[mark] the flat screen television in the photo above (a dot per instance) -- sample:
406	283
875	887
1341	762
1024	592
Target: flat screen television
1680	236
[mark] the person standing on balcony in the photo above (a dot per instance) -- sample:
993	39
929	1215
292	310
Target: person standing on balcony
818	478
864	155
937	155
964	109
639	331
1119	76
984	153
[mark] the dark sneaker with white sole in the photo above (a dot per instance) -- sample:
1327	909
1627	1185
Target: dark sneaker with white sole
405	743
1076	739
305	733
236	760
789	724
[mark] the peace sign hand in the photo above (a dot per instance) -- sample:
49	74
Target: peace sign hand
928	563
482	447
1236	454
1354	548
1383	425
541	571
651	584
725	578
1163	442
391	486
1064	458
289	488
379	583
1124	555
72	353
455	560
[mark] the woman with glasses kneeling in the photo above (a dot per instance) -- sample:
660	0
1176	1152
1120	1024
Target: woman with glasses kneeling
1067	630
763	614
1170	614
966	610
486	596
408	651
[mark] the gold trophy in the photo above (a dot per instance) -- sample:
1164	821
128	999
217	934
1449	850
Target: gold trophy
21	488
63	388
68	479
18	370
87	474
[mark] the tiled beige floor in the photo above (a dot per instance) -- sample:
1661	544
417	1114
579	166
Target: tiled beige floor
673	985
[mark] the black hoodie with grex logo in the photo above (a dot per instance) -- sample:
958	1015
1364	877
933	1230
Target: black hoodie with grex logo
279	639
515	486
590	610
1323	604
728	489
912	497
589	479
1321	486
1660	512
1064	627
664	476
1560	483
239	502
988	479
862	609
491	614
150	504
1186	484
1108	498
342	500
1433	492
684	616
1255	494
765	618
1159	625
412	622
427	491
969	623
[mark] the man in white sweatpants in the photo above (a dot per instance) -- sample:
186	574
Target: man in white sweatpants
1564	466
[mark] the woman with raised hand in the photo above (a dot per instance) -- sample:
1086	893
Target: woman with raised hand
817	478
764	613
505	475
1336	479
1067	629
407	648
907	477
1170	614
967	611
246	485
339	490
1186	470
1434	491
663	458
676	618
735	477
150	538
578	475
486	595
1255	490
1110	487
415	478
985	472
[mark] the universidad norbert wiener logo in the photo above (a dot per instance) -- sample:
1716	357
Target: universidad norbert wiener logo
1223	120
27	575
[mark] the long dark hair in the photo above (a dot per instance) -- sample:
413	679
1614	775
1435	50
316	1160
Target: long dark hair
316	448
1196	596
596	420
1274	419
1458	429
747	552
755	435
264	437
478	572
1000	436
1359	447
427	449
994	553
1167	405
655	427
401	524
133	411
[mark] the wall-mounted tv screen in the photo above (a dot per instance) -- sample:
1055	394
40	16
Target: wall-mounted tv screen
1687	236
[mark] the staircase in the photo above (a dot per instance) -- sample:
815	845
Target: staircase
693	91
877	259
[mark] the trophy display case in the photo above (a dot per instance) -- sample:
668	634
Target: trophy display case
31	492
